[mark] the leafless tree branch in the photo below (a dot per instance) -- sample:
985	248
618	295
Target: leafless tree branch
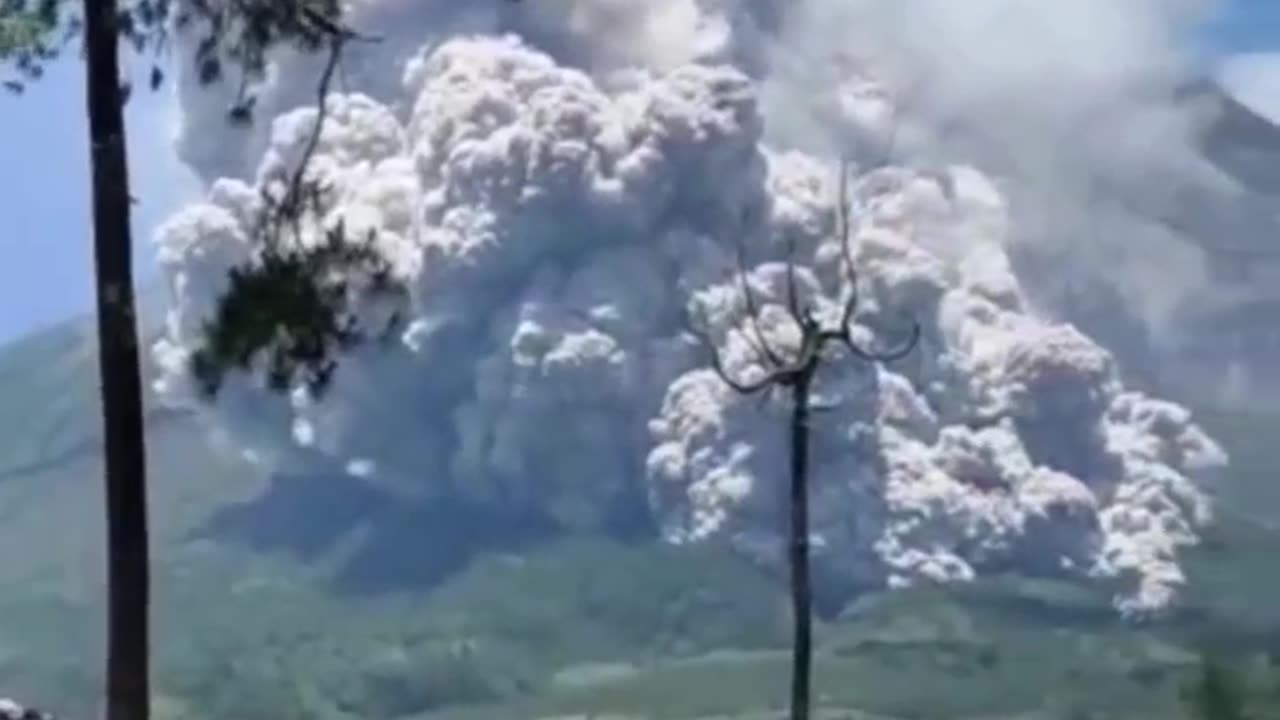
844	236
760	341
793	298
798	376
881	356
741	386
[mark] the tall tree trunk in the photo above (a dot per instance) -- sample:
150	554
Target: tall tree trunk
128	641
801	593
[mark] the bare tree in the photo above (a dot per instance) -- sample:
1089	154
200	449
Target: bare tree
794	371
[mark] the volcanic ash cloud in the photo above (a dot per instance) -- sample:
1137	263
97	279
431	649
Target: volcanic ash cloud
561	239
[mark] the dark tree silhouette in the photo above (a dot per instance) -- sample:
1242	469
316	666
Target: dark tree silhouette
1218	693
234	33
32	34
794	372
128	570
293	301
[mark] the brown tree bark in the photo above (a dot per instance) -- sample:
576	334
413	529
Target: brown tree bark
128	637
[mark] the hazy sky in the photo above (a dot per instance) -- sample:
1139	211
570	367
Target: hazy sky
45	247
45	261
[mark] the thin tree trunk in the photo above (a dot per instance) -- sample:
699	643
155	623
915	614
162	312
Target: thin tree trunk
128	674
801	594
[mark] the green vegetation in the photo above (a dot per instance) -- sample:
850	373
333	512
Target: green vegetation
573	626
586	626
1216	694
243	636
26	32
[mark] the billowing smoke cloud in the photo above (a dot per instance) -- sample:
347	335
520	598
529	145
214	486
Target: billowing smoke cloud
561	185
1072	108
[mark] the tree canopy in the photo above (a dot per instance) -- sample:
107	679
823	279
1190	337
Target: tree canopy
290	303
236	35
1218	692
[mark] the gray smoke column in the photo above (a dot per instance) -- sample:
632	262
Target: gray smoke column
1071	106
560	184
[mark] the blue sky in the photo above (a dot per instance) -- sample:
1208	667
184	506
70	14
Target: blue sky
1246	26
45	261
45	246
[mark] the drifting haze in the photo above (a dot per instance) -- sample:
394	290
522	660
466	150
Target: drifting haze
560	183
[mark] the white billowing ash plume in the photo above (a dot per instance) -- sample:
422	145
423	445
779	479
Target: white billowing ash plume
563	216
1071	106
609	38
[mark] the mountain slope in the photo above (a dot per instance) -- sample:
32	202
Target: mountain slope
267	594
542	608
51	468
